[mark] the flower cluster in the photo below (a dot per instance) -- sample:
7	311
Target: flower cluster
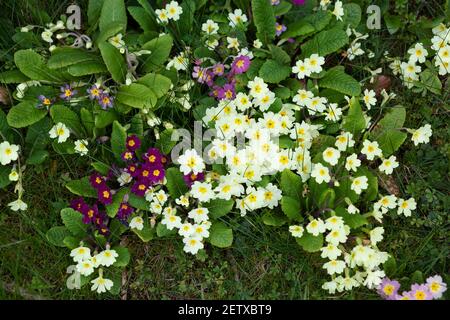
172	11
86	265
433	288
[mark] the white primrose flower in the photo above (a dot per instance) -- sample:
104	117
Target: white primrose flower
376	235
80	254
202	191
85	267
351	209
338	11
418	53
171	221
137	223
406	206
330	251
101	284
296	231
352	162
236	18
388	165
331	156
359	184
186	230
371	149
8	152
334	267
320	173
422	135
191	162
174	10
192	244
369	98
210	27
18	205
316	227
81	147
344	141
13	175
199	215
107	257
60	131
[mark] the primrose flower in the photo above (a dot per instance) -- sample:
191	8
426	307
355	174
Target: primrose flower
371	149
104	195
13	175
296	231
67	92
44	102
137	223
192	244
101	284
338	10
191	162
18	205
174	10
422	135
331	156
279	28
105	101
369	98
97	181
420	292
406	206
334	267
140	187
418	53
320	173
85	267
436	286
190	178
107	257
94	92
210	27
359	184
133	143
60	131
161	15
89	213
80	254
352	162
240	64
227	92
388	289
81	147
316	226
218	69
236	18
202	191
8	152
388	165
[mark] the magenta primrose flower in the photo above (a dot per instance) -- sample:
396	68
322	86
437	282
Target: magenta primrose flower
298	2
227	92
104	195
190	178
133	143
218	69
240	64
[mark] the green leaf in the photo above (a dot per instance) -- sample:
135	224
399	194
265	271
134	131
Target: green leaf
390	141
274	219
124	256
279	54
354	221
430	80
326	199
175	183
105	118
354	121
37	157
160	50
219	207
93	11
147	233
325	42
87	119
138	202
114	61
87	68
162	231
71	242
12	76
291	208
298	28
82	187
273	72
67	56
264	19
63	114
56	235
158	83
371	193
393	23
394	119
220	235
417	277
101	168
113	12
291	184
118	140
336	79
282	8
165	142
4	176
113	208
310	243
137	96
25	114
73	221
319	19
390	267
33	66
145	20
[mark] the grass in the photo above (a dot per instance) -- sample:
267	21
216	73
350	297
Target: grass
264	263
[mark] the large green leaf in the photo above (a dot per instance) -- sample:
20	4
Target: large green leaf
67	56
175	183
220	235
118	140
86	68
264	19
325	42
310	243
25	114
354	121
4	176
336	79
160	48
82	187
93	11
113	208
219	207
33	66
73	221
114	61
390	141
158	83
57	234
354	221
124	256
113	12
274	72
274	218
136	95
12	76
142	17
291	208
291	184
